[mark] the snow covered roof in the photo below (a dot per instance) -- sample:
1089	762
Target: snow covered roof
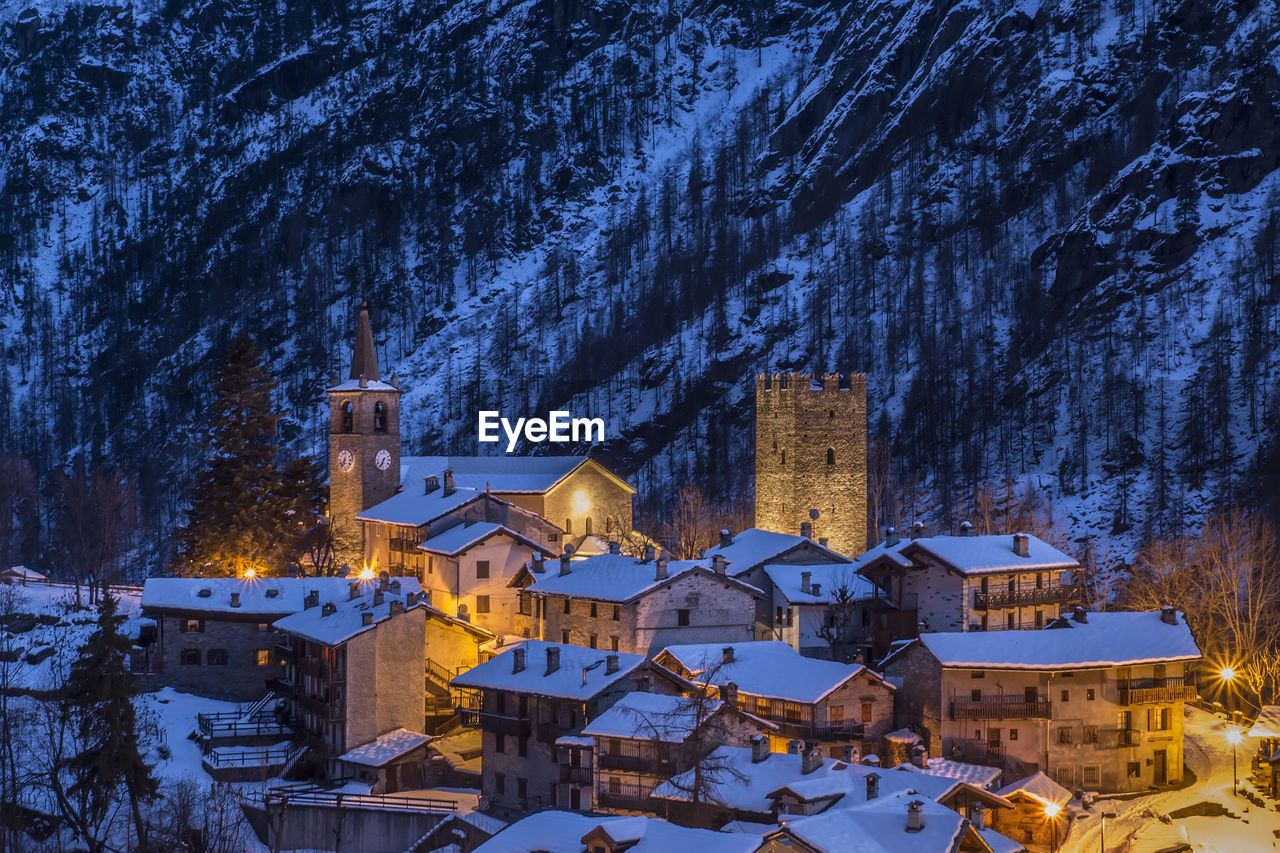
22	573
1108	639
766	668
879	826
581	674
505	474
1000	843
617	577
755	547
750	786
370	385
789	581
415	508
460	537
565	832
971	555
385	748
332	626
975	774
1039	787
1268	722
256	596
650	716
577	741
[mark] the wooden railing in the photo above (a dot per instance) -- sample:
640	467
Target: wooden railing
575	775
1149	691
438	674
503	724
333	799
627	796
1065	594
981	752
1118	738
639	758
1011	707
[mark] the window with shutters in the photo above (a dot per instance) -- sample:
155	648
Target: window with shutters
482	569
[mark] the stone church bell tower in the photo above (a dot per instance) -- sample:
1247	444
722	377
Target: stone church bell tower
364	444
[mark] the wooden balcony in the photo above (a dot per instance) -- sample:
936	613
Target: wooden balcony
1011	707
637	758
990	753
571	775
1156	691
1068	594
628	797
501	724
1119	738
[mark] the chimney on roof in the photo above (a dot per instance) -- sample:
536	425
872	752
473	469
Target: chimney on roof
615	548
660	572
395	586
610	664
729	694
449	487
849	754
917	530
977	816
518	660
806	529
727	655
648	553
726	538
805	579
553	659
873	785
311	599
1080	614
890	536
759	748
1021	545
366	618
966	529
353	590
565	567
397	606
915	816
719	564
328	609
810	758
822	540
411	599
235	599
816	589
433	483
794	746
364	361
920	756
538	563
377	597
1168	615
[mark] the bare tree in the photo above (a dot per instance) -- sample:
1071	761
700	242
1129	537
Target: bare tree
189	818
695	524
97	522
16	717
841	626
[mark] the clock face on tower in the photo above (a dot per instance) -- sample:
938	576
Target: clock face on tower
346	459
382	460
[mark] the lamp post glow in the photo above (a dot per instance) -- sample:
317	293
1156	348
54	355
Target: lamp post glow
1227	674
1233	738
1105	815
1051	811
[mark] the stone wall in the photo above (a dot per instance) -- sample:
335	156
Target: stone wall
351	492
386	687
811	453
241	679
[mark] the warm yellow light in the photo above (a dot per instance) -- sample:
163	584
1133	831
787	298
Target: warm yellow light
1226	673
366	574
1051	810
581	503
1234	737
251	573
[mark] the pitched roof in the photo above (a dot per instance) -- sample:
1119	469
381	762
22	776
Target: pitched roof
975	774
766	668
257	596
754	547
1268	722
879	826
504	474
581	674
650	716
346	619
971	555
565	832
617	577
828	577
461	537
1113	638
1040	787
385	748
364	359
416	508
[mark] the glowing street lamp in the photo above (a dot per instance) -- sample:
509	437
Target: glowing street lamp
1227	674
366	574
250	573
1051	812
1234	737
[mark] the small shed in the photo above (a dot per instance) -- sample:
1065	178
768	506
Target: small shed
1266	730
1039	810
393	762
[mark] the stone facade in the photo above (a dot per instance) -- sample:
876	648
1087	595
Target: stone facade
223	658
713	608
591	500
811	453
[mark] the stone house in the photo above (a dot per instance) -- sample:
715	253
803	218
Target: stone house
814	605
1028	819
389	763
845	708
527	698
214	636
970	582
553	831
354	668
638	606
1094	700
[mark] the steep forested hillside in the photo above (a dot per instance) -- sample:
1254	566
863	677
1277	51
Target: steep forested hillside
1046	231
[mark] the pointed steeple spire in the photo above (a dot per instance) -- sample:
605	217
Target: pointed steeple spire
364	361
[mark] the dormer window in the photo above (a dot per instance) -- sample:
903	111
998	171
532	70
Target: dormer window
379	417
348	417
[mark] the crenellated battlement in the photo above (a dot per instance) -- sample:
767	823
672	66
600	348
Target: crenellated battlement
795	381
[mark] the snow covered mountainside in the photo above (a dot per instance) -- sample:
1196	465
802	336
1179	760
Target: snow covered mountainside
1046	231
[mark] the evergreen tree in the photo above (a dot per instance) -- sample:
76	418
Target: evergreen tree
234	524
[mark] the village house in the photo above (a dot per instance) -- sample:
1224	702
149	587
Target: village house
354	671
569	832
214	636
820	608
834	704
1095	699
1038	811
620	603
646	738
970	582
526	699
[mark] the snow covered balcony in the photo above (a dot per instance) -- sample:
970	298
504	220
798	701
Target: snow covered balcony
1013	707
1156	691
1064	594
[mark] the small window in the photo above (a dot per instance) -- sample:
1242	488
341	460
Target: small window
1090	695
192	626
591	641
784	457
482	604
379	417
791	712
263	657
566	606
500	783
482	569
1039	619
1013	734
835	714
264	627
499	742
1066	695
867	709
978	673
1135	769
831	456
593	610
564	636
1090	734
613	642
1009	622
682	618
1064	735
617	612
1092	775
568	525
1039	580
348	417
190	657
217	657
586	525
975	695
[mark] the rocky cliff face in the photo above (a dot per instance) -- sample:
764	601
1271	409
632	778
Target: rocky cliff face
1045	231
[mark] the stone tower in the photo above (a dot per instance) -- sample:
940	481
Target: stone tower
811	453
364	444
